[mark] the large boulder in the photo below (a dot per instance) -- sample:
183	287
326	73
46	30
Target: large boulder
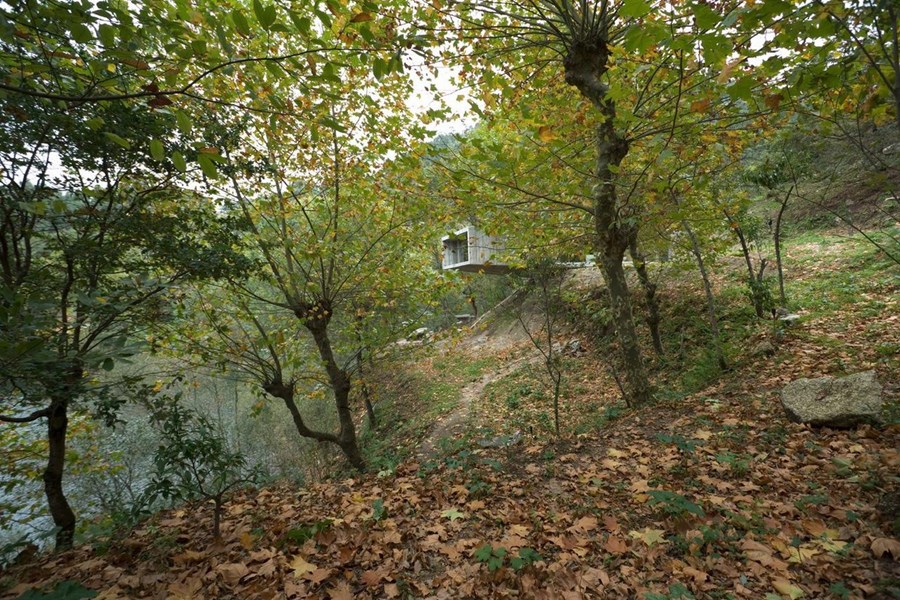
834	402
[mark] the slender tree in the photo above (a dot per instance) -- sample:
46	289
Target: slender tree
90	245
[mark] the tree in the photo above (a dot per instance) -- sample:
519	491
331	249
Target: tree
193	459
645	72
544	279
90	245
769	174
340	239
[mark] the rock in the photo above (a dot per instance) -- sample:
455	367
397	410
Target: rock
789	320
763	348
892	149
781	312
573	348
501	441
420	334
834	402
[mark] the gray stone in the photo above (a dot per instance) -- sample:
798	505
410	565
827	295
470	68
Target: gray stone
763	348
789	320
834	402
573	348
420	334
501	441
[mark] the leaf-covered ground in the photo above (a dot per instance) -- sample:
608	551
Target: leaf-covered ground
708	494
703	501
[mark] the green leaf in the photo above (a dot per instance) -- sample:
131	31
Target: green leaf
95	123
157	150
81	33
109	364
378	510
705	16
643	37
483	554
184	122
207	166
266	15
302	24
273	68
378	68
107	34
742	89
117	139
67	590
179	162
632	9
240	22
715	48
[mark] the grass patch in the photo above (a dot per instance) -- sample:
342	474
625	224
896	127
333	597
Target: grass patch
410	400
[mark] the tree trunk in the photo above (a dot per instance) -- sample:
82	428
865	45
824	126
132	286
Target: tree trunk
710	298
340	384
784	202
370	410
217	517
364	388
585	66
620	302
752	280
557	383
653	318
63	517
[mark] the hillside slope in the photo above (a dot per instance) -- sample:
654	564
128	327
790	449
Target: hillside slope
710	493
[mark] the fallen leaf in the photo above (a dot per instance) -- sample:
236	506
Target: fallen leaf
233	572
615	545
649	536
301	567
882	546
247	540
371	578
786	588
699	576
584	524
453	514
610	523
341	591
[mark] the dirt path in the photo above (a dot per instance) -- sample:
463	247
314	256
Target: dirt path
455	423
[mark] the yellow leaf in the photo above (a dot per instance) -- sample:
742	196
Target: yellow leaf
361	17
546	134
649	536
786	588
247	540
301	567
832	545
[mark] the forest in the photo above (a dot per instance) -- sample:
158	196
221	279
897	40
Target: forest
449	299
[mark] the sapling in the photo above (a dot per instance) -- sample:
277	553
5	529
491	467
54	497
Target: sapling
193	459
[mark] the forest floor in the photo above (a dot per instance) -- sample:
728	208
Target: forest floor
708	493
